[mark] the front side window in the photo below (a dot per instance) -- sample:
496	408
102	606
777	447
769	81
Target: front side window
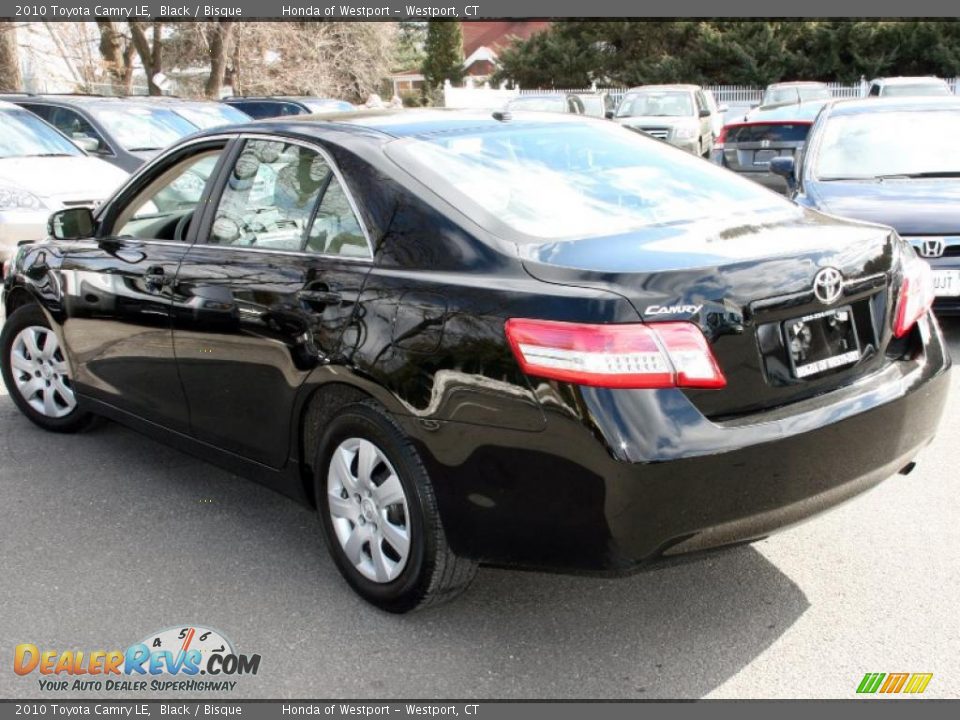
166	206
573	180
284	196
75	126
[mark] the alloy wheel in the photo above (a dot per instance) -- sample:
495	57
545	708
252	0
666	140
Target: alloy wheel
40	372
368	507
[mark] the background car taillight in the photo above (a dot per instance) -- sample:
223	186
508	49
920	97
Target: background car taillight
916	294
721	139
656	355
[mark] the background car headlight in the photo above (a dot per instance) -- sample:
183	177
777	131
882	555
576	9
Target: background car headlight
16	199
686	133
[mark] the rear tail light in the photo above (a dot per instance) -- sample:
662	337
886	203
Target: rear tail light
721	139
658	355
916	294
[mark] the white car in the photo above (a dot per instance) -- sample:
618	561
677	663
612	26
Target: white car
677	114
41	170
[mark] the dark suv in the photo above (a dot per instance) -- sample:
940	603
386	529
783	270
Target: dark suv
269	107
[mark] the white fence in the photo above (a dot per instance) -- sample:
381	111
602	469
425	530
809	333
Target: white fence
486	97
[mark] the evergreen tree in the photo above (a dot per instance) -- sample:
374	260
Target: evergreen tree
444	53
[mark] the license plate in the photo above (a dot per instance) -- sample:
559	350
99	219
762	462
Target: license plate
946	283
763	157
821	342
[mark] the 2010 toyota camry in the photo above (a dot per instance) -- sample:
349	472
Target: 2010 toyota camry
525	339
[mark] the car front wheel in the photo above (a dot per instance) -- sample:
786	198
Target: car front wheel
37	374
380	516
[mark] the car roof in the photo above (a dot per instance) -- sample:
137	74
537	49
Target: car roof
801	112
797	83
672	86
866	105
397	123
904	80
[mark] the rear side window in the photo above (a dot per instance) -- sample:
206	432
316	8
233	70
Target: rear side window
774	133
285	196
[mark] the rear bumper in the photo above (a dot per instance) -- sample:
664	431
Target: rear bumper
637	478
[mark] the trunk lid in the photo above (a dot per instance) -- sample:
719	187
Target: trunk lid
750	147
741	283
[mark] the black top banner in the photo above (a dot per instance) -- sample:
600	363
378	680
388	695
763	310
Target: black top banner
464	9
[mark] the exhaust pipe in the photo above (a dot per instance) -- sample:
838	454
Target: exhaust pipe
908	468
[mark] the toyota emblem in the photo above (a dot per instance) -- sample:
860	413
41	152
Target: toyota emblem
828	285
932	247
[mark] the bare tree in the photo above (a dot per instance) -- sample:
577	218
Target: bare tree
149	52
219	35
10	79
335	59
117	52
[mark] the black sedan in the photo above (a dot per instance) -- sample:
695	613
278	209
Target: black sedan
526	339
896	162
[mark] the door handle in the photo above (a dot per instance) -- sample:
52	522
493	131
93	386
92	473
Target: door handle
154	279
320	297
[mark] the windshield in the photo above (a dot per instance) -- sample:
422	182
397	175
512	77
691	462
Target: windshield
139	127
25	135
323	106
659	103
211	115
790	94
576	180
539	104
874	144
916	90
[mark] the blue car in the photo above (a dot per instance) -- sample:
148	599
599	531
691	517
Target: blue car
890	161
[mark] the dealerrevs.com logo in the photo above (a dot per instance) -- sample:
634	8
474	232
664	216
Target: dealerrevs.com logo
188	658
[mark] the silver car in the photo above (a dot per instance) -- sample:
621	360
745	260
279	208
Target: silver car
677	114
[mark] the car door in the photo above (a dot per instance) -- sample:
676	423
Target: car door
117	287
266	294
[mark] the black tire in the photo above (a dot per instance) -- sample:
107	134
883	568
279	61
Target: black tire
31	315
433	573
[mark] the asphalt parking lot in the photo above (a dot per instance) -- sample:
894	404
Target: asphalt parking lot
106	537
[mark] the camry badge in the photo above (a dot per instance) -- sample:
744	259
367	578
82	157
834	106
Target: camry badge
827	285
932	247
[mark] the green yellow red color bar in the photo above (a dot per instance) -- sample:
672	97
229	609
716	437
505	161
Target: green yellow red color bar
889	683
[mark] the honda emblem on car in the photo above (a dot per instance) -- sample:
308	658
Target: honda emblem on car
828	285
932	247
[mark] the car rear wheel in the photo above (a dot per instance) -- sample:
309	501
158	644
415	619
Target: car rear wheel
379	514
37	374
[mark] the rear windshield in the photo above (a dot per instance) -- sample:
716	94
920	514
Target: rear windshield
771	132
916	90
790	94
540	104
576	179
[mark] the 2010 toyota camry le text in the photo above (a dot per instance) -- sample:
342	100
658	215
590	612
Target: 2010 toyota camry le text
533	340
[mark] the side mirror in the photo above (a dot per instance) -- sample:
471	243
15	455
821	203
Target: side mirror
723	108
71	224
87	144
705	113
785	167
608	114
